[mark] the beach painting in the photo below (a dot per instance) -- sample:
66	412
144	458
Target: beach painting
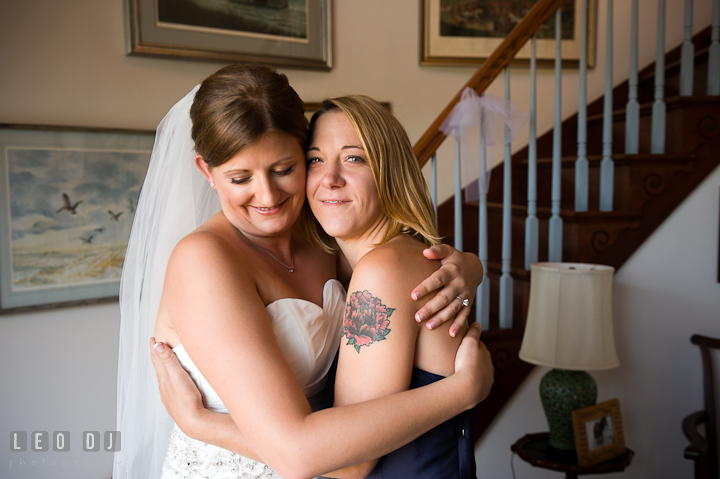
67	217
275	18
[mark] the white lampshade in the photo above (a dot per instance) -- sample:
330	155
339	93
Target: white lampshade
569	323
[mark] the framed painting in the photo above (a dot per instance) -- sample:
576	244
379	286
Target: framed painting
462	32
599	434
283	33
67	204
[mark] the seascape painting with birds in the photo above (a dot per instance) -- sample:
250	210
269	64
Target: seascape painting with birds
70	213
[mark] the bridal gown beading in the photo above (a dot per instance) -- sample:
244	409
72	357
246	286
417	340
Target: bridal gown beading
309	337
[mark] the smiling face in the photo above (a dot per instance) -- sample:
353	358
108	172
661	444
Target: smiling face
262	187
341	188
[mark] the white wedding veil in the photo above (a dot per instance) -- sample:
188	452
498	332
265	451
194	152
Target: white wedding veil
174	201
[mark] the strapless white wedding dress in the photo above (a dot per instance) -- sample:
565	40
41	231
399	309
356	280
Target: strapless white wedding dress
309	337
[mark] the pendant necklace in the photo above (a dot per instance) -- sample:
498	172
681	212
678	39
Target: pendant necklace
290	268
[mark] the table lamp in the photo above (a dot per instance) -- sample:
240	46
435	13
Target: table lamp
569	328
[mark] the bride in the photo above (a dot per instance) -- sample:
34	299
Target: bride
249	299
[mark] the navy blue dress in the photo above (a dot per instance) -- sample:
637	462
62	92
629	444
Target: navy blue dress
447	451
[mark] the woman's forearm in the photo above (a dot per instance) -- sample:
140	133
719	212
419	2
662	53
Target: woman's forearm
220	430
342	436
339	437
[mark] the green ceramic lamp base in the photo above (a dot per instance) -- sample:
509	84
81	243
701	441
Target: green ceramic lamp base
563	391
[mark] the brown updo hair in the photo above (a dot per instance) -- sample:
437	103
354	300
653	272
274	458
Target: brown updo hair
237	105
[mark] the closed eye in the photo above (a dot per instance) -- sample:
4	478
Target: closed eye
284	172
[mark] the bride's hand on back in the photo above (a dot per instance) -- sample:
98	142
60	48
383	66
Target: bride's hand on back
474	362
459	275
178	392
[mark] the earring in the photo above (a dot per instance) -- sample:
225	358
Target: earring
212	184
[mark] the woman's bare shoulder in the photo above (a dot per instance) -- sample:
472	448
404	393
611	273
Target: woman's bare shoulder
401	254
397	265
207	253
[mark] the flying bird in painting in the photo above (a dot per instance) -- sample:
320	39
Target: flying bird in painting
131	204
87	240
99	230
115	216
68	206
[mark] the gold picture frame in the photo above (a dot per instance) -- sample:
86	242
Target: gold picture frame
448	41
282	33
599	434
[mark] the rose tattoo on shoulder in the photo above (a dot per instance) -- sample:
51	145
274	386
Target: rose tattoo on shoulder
366	319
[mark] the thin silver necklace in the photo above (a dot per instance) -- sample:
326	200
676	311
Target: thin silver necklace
290	268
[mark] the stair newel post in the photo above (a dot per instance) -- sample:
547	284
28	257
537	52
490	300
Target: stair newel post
658	111
581	164
688	53
531	222
506	281
713	87
458	197
556	226
632	110
607	166
482	300
433	185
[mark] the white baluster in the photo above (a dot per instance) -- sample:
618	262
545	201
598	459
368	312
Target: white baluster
506	281
607	166
458	197
658	111
632	110
556	226
531	222
688	53
482	300
713	87
433	185
581	164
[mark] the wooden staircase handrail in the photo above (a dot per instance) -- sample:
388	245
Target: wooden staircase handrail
488	71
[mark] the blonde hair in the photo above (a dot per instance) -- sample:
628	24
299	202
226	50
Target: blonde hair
403	194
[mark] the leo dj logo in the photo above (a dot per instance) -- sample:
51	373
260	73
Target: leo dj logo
40	441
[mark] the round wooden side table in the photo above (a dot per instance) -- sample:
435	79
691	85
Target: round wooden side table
535	449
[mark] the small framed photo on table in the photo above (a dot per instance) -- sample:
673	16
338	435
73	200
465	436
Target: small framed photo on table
598	433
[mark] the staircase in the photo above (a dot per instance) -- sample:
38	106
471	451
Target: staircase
648	187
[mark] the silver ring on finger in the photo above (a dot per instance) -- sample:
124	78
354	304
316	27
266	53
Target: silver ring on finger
465	302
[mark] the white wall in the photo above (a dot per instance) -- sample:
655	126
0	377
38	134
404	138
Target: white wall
63	64
58	374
